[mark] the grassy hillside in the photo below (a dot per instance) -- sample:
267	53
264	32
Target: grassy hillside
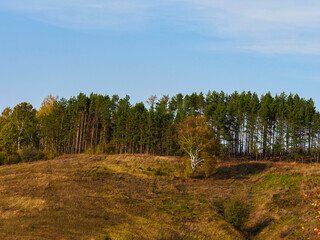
146	197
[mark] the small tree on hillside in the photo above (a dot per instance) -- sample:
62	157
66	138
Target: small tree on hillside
195	139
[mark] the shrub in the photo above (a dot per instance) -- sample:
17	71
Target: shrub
311	197
2	158
106	238
99	149
12	158
209	166
188	172
236	212
89	150
159	172
94	150
30	154
48	155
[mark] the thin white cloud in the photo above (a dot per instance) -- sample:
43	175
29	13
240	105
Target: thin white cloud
285	47
267	26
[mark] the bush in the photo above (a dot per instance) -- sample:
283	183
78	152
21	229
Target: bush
159	172
209	166
90	150
30	154
47	155
99	149
187	169
236	212
94	150
2	158
311	198
11	158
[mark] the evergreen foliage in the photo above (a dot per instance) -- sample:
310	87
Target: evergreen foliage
242	124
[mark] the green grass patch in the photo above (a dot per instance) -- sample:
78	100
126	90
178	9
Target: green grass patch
273	181
236	212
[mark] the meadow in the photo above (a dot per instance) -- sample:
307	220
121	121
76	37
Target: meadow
100	197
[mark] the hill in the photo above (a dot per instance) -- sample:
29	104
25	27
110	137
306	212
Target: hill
147	197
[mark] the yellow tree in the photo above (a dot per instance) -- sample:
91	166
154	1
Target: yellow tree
8	134
195	139
47	120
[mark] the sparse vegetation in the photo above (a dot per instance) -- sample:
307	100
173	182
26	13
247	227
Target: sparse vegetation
236	212
123	197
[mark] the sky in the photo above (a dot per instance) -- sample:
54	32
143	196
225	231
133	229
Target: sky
142	48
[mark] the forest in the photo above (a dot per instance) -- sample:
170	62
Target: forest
242	124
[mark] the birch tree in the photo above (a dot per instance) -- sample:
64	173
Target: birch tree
24	120
195	139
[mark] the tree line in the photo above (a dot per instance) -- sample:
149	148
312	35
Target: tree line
243	124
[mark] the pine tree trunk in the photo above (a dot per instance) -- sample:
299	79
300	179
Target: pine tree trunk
92	133
80	134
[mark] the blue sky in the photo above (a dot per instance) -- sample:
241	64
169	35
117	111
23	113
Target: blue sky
143	48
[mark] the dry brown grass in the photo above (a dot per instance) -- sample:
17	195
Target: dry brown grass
142	197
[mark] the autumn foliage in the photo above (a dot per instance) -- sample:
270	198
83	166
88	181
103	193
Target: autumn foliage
196	140
311	196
